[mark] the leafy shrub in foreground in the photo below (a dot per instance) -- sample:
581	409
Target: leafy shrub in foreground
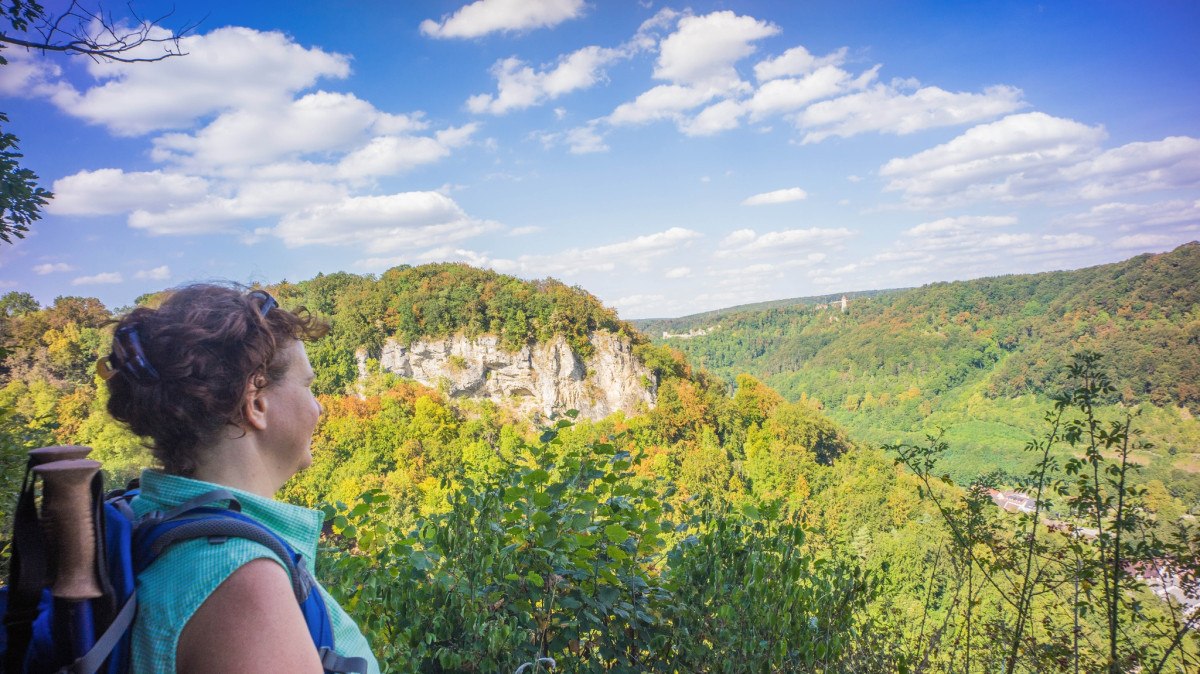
571	556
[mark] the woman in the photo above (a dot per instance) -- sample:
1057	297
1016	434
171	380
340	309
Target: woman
219	382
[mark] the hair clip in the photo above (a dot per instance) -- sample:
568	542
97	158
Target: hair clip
104	368
266	302
129	355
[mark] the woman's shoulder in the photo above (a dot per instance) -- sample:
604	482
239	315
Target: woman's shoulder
187	572
174	587
249	623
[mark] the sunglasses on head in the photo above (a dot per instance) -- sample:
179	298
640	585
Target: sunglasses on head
265	302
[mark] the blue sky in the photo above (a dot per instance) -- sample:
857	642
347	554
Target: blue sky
670	158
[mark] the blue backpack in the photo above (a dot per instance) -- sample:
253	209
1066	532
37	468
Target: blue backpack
45	634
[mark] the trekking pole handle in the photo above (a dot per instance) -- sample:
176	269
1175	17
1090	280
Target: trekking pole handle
68	486
43	455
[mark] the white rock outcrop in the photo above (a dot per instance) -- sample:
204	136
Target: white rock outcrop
538	380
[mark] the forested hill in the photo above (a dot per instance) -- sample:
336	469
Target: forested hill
437	300
685	324
970	356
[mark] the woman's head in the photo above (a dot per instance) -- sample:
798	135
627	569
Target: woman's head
179	374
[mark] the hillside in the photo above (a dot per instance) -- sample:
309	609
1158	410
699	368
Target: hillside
978	358
685	324
407	304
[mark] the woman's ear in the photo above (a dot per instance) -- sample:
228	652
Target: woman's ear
254	404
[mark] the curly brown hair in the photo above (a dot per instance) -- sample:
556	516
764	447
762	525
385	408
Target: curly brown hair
195	356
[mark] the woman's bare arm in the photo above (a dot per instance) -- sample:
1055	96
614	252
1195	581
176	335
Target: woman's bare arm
250	623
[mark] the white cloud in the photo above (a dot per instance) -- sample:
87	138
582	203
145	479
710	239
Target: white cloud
252	200
314	124
1056	242
28	75
664	101
585	140
788	242
157	274
698	63
678	272
788	94
703	49
639	253
1036	156
983	152
647	33
488	16
260	149
1172	162
638	303
721	116
524	231
960	224
520	86
109	191
888	109
1145	242
99	279
796	61
389	155
969	239
776	197
296	139
226	69
51	268
381	224
391	124
1135	216
899	256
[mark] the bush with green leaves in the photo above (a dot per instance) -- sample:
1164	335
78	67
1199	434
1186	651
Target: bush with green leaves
572	556
554	558
748	595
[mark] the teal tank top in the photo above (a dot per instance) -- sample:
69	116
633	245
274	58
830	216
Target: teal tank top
179	581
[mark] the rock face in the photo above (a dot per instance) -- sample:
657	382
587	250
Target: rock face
542	379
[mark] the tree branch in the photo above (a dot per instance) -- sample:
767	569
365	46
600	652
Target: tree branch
80	30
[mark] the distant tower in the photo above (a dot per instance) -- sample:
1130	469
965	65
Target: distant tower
844	303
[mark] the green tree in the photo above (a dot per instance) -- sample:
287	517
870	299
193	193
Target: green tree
21	199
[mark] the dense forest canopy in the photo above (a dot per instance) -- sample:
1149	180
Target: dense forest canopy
978	358
1142	311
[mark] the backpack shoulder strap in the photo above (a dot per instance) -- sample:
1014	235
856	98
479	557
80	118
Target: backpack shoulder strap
197	518
217	525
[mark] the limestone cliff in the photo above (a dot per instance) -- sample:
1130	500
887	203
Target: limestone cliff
537	380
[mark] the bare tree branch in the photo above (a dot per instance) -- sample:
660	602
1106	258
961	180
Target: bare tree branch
78	29
93	33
